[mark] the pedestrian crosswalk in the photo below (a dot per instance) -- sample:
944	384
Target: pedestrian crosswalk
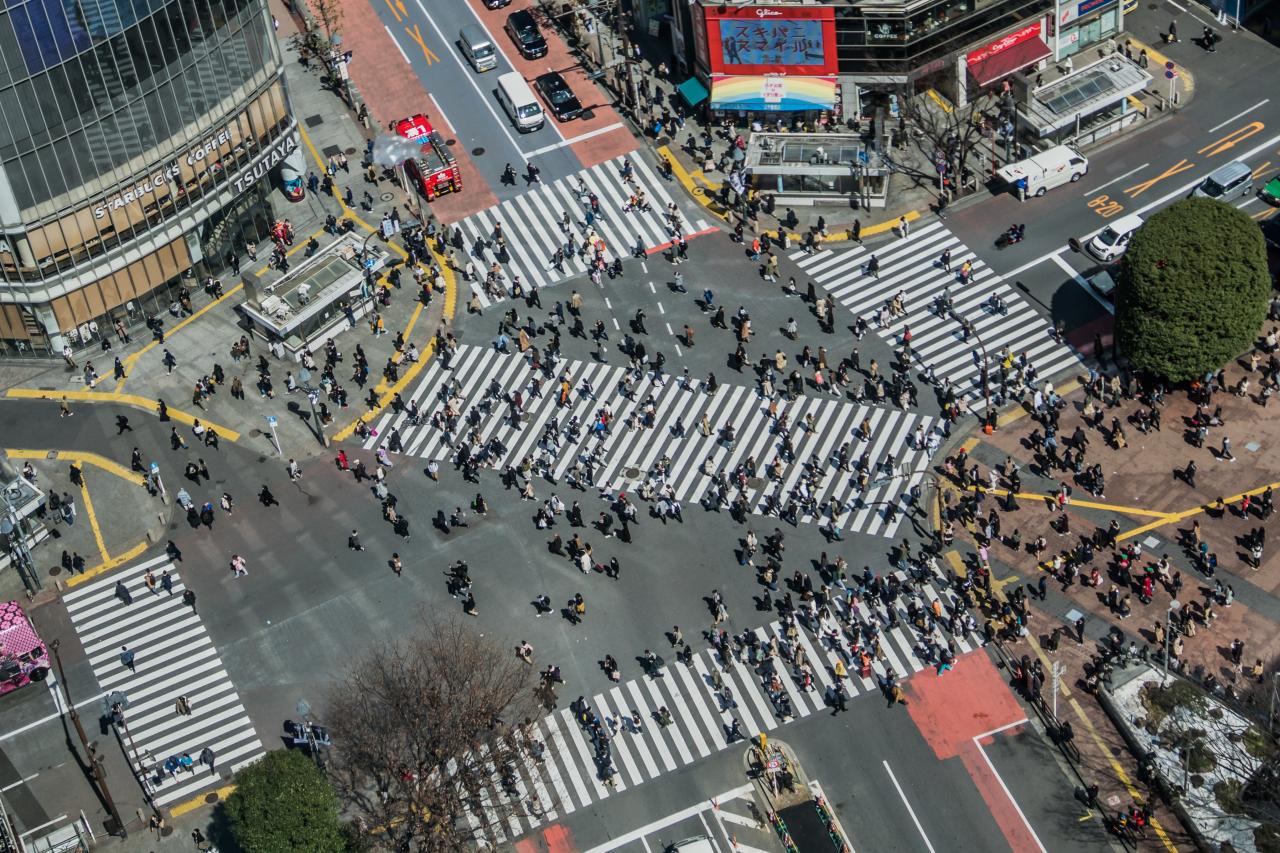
531	224
479	380
707	694
913	267
173	657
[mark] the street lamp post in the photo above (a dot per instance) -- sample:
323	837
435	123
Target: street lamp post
12	526
95	760
1174	604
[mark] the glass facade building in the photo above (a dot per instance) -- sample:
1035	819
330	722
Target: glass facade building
135	140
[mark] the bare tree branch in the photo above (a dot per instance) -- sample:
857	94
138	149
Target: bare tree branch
430	738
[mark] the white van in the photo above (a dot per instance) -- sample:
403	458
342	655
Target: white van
1040	173
517	99
477	48
1110	243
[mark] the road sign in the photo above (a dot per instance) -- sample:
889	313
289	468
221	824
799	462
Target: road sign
155	468
272	420
1170	73
864	158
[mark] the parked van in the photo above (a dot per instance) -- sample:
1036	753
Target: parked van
1040	173
1226	183
478	48
1110	243
517	99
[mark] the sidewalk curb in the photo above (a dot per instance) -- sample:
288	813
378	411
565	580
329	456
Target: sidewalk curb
387	393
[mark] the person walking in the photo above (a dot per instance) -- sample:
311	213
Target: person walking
904	227
353	541
122	425
189	599
295	472
182	706
122	593
128	659
64	408
238	569
1226	450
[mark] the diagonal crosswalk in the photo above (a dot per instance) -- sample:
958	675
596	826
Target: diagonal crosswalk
656	423
174	656
531	224
913	267
761	691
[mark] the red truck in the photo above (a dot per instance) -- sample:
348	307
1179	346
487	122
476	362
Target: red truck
435	168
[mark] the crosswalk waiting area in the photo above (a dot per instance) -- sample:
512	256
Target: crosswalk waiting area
761	695
173	657
913	268
659	419
531	224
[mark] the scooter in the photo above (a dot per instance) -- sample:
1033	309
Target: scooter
1011	236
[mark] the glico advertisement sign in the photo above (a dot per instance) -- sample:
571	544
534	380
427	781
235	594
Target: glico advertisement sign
752	40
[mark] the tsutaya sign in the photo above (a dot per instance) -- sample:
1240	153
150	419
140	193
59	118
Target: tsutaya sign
274	154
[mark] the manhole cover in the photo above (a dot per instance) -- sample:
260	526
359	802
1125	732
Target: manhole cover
755	482
631	473
330	150
211	797
525	417
451	142
386	196
55	571
313	121
475	152
350	151
165	832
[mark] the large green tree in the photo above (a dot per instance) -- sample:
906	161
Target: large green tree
1192	290
284	802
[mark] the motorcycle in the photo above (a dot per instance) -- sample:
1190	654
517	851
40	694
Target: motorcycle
1014	234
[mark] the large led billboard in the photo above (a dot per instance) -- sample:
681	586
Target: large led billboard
754	40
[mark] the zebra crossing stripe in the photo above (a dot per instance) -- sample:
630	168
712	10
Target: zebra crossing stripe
623	451
913	266
174	657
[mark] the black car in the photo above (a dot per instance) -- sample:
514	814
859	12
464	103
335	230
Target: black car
523	30
564	104
496	4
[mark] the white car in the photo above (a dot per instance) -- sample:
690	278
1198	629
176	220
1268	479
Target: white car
1110	243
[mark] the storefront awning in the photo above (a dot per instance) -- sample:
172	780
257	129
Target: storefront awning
692	91
773	93
1004	63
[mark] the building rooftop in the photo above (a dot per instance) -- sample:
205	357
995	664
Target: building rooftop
1094	87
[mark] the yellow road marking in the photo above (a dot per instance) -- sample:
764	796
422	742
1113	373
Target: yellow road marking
416	34
937	99
1018	412
1232	139
1177	168
392	7
108	465
1261	170
93	521
108	565
203	800
450	307
1134	793
144	403
131	360
1037	496
1266	214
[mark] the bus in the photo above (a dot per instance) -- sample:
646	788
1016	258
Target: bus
23	657
435	169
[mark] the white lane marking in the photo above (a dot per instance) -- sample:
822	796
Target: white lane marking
397	44
579	138
501	123
1080	280
1115	180
977	741
669	820
1218	127
1149	206
894	779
